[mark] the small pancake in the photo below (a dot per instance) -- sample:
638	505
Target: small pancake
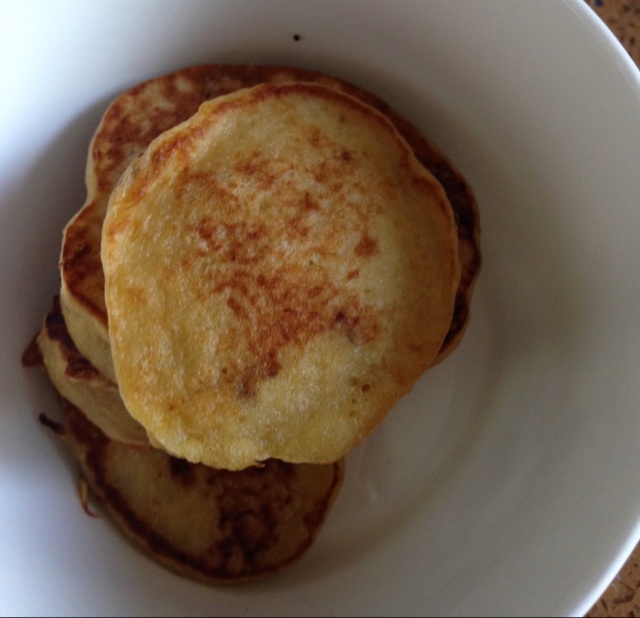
76	379
210	525
137	116
279	270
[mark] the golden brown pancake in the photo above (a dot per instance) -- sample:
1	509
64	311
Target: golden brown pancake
76	379
279	270
140	114
211	525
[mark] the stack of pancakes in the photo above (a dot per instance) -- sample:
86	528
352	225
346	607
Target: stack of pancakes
267	260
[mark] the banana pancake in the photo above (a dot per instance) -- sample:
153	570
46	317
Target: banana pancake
77	380
211	525
142	113
279	270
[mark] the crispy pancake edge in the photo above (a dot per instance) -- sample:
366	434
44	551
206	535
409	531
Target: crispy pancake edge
76	379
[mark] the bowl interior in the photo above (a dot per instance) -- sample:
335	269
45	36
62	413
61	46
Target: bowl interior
490	488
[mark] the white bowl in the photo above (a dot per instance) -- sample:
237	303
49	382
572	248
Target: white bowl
507	482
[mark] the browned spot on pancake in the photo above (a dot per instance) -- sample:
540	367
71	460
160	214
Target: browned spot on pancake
256	168
346	156
367	246
278	309
125	138
181	471
80	262
250	376
309	204
77	366
116	229
240	312
348	320
133	121
240	243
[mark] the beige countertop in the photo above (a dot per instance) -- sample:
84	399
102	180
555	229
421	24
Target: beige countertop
622	597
